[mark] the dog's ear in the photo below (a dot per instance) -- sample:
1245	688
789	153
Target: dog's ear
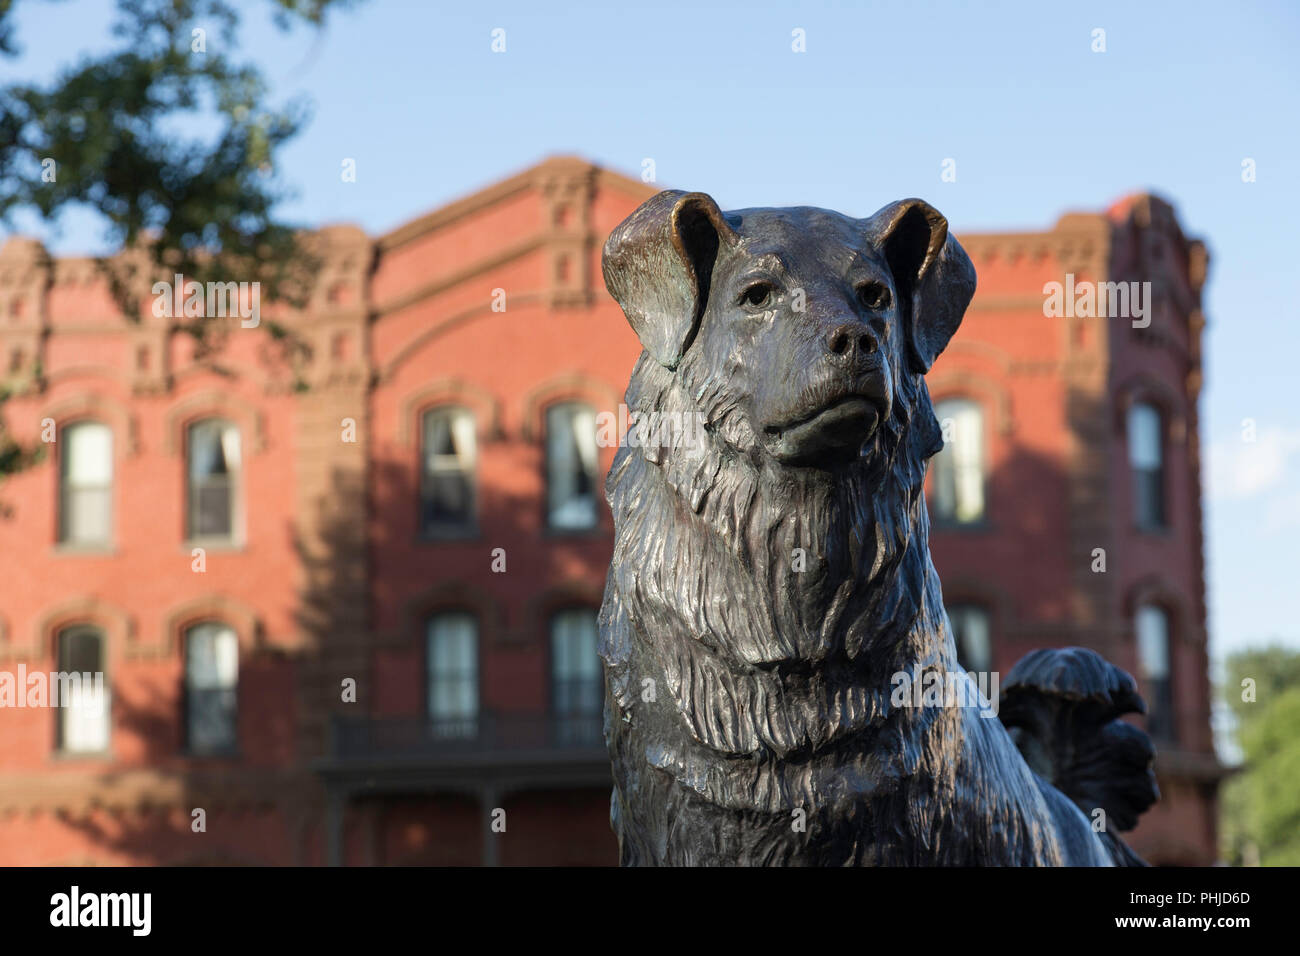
658	264
932	273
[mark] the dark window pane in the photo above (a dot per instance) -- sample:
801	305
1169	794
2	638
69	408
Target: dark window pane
211	719
453	675
212	515
447	471
214	456
1155	665
577	687
443	442
1146	459
1160	710
211	688
1149	497
81	650
448	501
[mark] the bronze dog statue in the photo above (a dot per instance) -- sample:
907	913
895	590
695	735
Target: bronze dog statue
772	577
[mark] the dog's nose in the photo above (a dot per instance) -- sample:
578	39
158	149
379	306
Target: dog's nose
851	342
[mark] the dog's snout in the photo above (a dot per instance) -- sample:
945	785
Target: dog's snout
851	341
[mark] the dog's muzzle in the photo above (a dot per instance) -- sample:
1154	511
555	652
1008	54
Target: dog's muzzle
833	434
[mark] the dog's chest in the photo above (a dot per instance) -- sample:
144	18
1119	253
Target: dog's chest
661	823
840	809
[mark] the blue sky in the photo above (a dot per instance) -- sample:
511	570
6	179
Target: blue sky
712	92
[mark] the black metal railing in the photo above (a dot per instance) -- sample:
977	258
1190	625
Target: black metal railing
485	735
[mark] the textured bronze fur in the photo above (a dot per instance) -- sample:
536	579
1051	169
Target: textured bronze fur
748	709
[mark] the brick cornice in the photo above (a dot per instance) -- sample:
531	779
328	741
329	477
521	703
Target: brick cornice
641	191
560	166
455	211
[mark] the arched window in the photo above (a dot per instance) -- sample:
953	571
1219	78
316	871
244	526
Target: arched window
958	496
1146	458
448	458
211	689
453	674
571	466
86	484
85	707
1154	663
973	637
213	466
577	694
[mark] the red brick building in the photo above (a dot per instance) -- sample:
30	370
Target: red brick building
344	598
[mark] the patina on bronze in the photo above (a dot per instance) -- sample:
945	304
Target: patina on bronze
771	577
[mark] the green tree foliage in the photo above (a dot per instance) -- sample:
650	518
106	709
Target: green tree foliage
1260	806
168	136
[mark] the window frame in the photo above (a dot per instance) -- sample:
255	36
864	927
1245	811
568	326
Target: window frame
548	508
443	532
946	458
187	689
235	480
61	750
1137	475
575	726
552	675
1161	694
62	538
473	722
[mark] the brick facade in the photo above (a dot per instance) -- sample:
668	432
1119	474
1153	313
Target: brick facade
331	580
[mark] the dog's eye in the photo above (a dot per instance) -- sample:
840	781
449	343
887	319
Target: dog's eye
873	295
757	296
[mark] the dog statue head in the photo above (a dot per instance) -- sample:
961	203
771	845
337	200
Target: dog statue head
841	309
782	551
771	573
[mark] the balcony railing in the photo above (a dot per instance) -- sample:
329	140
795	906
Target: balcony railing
488	736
